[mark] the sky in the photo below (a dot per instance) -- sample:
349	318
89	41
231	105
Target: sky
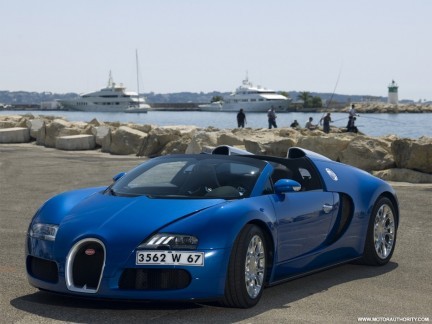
343	46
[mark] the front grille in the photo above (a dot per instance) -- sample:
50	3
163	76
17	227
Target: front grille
42	269
84	266
154	279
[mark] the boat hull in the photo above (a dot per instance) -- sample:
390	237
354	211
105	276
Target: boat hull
279	105
91	107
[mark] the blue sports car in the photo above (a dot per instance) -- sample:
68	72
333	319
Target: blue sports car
219	226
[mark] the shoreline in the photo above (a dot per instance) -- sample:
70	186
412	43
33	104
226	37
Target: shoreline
361	107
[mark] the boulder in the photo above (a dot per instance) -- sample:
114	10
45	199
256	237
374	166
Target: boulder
15	135
269	142
156	140
367	153
201	140
35	126
403	175
101	133
126	140
7	124
413	154
328	145
75	142
229	138
53	129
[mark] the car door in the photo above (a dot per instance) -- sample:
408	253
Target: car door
303	222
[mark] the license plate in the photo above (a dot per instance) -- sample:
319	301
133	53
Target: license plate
170	258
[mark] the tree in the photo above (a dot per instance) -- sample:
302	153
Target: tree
316	102
310	101
285	94
216	98
306	97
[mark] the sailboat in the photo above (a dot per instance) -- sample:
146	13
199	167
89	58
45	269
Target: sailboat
141	106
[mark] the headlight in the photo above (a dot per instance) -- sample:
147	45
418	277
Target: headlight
43	231
171	242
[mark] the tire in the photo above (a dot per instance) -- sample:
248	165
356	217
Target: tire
381	237
248	256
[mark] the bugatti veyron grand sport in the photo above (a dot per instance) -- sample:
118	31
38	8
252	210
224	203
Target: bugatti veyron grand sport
220	226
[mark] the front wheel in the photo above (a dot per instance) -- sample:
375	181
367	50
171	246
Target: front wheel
247	269
381	236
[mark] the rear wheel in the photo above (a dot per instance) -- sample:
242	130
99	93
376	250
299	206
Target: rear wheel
247	269
381	237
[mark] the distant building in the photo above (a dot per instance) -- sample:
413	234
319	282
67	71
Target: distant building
371	99
49	105
393	93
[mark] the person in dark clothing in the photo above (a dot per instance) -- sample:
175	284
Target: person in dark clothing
294	124
351	127
326	120
241	118
271	114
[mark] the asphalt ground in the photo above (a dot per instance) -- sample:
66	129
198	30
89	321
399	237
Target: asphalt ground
30	174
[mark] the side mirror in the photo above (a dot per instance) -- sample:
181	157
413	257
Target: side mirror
118	176
286	185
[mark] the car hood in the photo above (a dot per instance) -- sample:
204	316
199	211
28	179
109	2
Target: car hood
124	222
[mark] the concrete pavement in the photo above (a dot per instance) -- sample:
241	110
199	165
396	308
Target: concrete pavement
30	174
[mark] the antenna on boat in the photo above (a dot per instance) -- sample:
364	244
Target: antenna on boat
110	80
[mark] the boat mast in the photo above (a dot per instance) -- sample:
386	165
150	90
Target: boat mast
137	72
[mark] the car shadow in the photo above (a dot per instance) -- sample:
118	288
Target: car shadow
79	310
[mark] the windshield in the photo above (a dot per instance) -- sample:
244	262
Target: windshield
191	176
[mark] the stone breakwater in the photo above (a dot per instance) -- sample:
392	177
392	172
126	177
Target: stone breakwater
390	157
380	107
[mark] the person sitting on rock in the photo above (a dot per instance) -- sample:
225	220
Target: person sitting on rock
351	127
309	124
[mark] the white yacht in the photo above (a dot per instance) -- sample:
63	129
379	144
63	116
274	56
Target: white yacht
112	98
251	98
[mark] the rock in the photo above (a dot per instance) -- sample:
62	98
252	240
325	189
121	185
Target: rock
156	140
142	128
52	130
35	126
7	124
228	138
126	140
200	140
327	145
100	133
413	154
15	135
269	142
403	175
95	122
368	154
75	142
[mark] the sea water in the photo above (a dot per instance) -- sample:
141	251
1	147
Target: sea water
404	125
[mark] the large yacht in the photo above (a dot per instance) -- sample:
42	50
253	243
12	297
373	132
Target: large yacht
251	99
112	98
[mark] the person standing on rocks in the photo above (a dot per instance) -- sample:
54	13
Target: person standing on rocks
241	119
352	112
326	120
271	114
